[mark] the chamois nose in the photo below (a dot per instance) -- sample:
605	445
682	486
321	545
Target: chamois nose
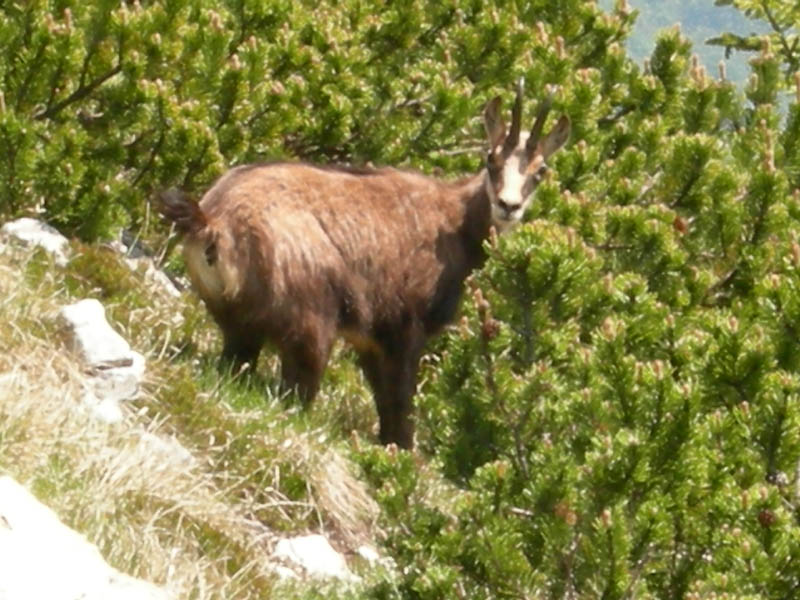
506	207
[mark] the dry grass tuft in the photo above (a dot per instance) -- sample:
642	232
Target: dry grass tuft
132	490
351	512
179	514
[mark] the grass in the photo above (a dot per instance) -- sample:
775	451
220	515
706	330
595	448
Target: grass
201	521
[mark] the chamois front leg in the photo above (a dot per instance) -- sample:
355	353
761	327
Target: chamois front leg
392	373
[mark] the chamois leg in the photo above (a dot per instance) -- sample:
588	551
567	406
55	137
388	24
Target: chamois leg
392	374
240	348
303	359
371	363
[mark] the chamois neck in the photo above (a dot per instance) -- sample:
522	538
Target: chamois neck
477	209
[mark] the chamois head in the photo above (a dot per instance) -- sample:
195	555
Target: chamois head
516	161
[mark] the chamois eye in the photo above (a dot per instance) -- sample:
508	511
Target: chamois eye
493	164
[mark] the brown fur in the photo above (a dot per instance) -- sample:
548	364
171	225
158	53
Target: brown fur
298	254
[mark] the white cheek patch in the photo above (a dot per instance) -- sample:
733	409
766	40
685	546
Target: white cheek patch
514	178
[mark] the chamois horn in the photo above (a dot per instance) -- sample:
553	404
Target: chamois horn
516	117
536	131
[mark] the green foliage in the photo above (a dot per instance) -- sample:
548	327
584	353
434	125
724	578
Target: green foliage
103	103
616	414
700	21
618	401
778	47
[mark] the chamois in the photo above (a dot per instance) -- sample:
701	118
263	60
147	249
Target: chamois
297	254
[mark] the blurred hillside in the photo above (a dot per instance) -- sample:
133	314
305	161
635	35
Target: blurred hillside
700	21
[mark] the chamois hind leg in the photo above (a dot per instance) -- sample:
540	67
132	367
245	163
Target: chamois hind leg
392	374
304	356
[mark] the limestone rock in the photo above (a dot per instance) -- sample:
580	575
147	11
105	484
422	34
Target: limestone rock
93	338
313	556
114	371
35	233
43	558
154	276
138	260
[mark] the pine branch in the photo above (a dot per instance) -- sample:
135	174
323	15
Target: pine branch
34	70
194	165
521	512
685	189
638	569
718	285
797	482
612	561
568	563
776	27
611	119
459	151
647	187
79	94
610	246
774	441
155	150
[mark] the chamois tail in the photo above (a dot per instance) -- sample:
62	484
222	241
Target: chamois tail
181	209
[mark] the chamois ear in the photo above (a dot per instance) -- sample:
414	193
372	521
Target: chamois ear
494	124
557	137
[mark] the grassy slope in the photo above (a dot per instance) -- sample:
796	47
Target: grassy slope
258	469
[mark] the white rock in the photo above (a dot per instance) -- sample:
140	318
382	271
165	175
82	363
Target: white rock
118	382
43	558
138	260
114	371
34	232
154	276
369	554
314	555
107	411
93	338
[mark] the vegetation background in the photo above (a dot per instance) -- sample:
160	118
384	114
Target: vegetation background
700	21
615	415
